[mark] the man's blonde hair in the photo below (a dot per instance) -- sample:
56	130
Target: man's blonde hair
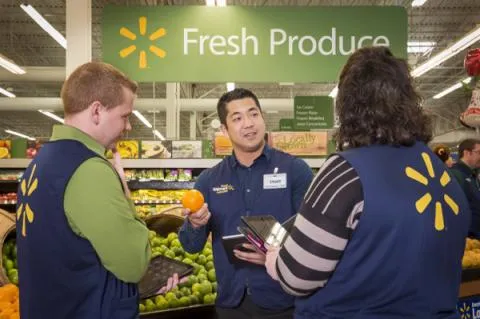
94	81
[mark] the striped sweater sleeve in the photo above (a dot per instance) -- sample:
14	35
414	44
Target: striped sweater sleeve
327	217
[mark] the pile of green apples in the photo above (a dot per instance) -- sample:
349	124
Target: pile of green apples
9	260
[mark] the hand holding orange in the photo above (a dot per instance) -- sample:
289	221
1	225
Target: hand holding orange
193	200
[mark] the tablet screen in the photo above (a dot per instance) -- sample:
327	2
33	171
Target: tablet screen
158	272
267	228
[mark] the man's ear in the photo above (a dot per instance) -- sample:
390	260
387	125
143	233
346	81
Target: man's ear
96	108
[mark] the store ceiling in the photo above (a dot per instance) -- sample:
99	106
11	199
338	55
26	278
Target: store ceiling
21	39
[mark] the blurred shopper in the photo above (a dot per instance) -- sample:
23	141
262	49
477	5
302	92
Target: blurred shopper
465	171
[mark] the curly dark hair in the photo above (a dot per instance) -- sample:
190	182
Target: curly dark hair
377	104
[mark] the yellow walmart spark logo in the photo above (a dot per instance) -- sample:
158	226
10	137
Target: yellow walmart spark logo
142	58
24	211
422	203
465	311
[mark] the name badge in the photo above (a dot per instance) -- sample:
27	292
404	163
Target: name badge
275	181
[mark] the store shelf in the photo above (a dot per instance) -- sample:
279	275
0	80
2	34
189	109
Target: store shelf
470	285
159	185
156	163
471	274
152	202
133	163
198	311
9	182
170	163
193	163
15	163
8	187
8	202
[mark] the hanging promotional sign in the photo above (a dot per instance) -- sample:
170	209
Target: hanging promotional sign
245	44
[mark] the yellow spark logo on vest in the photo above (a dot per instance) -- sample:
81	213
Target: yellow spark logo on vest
422	203
142	26
465	311
24	211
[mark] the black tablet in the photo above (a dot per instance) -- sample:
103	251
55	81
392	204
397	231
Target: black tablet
232	242
159	270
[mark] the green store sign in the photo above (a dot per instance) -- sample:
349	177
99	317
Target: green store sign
313	112
287	125
245	44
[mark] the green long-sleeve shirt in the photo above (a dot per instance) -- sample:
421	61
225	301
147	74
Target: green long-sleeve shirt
97	210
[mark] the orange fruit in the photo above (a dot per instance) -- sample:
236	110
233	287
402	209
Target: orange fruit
15	315
4	305
193	200
8	293
11	290
6	313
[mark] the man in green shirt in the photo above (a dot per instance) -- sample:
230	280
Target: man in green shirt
81	247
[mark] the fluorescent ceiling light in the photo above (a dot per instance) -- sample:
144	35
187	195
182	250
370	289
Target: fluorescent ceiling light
418	3
142	118
452	88
334	92
446	54
10	66
44	24
51	115
6	93
20	134
159	135
230	86
420	46
218	3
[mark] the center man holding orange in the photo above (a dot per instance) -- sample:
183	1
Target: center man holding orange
239	186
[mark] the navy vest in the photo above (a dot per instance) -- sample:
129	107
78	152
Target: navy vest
404	258
227	207
60	274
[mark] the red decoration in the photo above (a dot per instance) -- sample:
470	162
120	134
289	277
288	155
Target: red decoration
471	117
472	62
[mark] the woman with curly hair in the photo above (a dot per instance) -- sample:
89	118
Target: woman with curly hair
370	239
443	152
